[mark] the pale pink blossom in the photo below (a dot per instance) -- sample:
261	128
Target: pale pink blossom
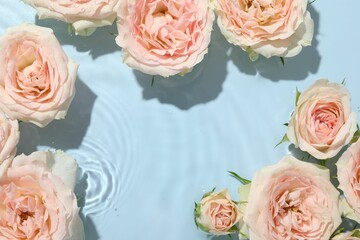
266	27
164	37
37	83
292	200
217	213
37	199
323	121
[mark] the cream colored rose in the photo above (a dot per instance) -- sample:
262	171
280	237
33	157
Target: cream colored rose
9	137
266	27
323	122
292	200
84	15
37	83
217	213
348	172
37	199
164	37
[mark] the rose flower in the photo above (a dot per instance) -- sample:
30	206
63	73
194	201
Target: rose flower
292	200
266	27
9	137
84	15
164	37
348	172
323	122
217	213
37	82
36	198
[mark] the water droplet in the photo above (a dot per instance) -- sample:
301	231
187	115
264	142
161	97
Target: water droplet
76	5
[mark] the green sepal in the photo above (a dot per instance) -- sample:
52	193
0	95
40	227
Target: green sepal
70	29
152	80
208	193
311	2
338	231
229	235
343	82
282	61
286	124
243	234
284	139
356	233
322	162
356	135
234	229
244	181
298	93
197	213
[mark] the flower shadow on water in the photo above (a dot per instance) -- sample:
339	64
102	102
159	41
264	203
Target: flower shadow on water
202	85
101	42
80	192
65	134
295	68
62	134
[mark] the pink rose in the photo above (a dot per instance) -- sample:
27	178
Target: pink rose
217	213
36	198
37	83
348	172
323	122
266	27
292	200
164	38
84	15
9	137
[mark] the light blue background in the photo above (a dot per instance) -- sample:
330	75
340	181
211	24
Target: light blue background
147	153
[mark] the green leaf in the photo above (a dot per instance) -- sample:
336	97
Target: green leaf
284	139
229	235
343	82
282	61
298	93
244	181
152	80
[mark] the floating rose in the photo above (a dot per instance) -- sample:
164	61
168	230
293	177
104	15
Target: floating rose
84	15
36	198
37	83
9	137
292	200
323	122
217	213
164	37
348	172
266	27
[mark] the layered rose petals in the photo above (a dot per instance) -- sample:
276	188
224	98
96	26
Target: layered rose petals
38	79
266	27
292	200
323	122
35	202
164	37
